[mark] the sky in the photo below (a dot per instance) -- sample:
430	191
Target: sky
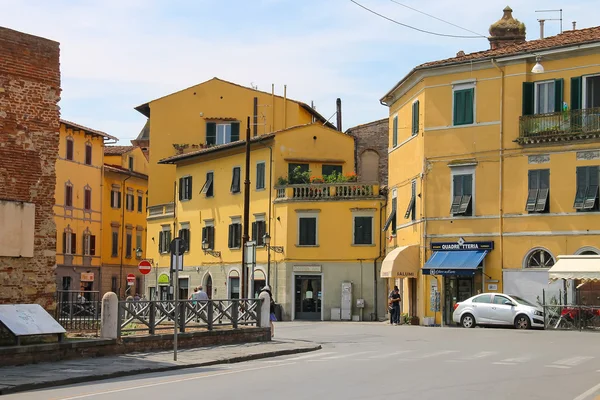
118	54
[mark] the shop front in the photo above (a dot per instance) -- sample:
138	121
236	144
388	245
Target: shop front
460	269
400	267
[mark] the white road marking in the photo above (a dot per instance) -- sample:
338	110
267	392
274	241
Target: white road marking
557	366
588	393
86	395
517	359
390	354
302	357
573	361
437	353
345	355
479	355
503	363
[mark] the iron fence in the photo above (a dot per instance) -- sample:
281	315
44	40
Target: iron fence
78	310
572	317
151	317
585	121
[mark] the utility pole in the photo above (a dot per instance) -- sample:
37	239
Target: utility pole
246	221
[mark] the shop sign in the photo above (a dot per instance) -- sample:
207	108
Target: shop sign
451	272
403	274
461	245
307	268
163	279
87	277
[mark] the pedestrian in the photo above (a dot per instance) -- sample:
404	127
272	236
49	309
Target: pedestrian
136	297
272	316
194	295
394	301
201	294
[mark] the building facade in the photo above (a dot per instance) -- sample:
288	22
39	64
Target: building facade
29	139
124	204
493	169
78	208
371	144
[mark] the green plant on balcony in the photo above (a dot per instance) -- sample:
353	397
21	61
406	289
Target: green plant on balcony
281	181
298	177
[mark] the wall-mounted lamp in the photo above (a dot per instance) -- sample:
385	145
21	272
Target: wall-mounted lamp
267	241
205	249
138	252
538	68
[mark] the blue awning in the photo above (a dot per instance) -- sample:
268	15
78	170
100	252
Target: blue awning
462	263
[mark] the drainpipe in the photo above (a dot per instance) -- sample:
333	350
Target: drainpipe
382	208
99	247
270	208
124	205
501	172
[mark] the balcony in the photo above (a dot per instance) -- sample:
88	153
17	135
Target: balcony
560	126
328	191
161	211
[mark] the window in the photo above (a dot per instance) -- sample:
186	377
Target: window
235	234
164	239
234	285
69	155
115	198
539	190
208	234
539	258
415	118
327	170
138	242
500	299
391	220
68	194
542	98
395	132
411	211
89	245
586	197
296	173
260	175
113	284
128	244
258	232
222	133
484	298
307	230
185	188
462	195
69	242
363	229
590	86
87	198
88	154
207	189
115	244
140	206
235	180
130	163
464	105
130	200
184	233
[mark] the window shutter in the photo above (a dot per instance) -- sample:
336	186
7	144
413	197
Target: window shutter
581	188
469	109
367	233
64	243
312	231
558	94
230	237
458	185
189	188
395	132
211	237
255	232
73	243
92	245
528	98
415	118
544	179
238	235
161	238
181	188
261	225
235	131
119	201
204	236
576	92
211	133
358	233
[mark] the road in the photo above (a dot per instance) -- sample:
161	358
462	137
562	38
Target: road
379	361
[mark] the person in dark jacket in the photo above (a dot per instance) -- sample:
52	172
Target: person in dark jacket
272	317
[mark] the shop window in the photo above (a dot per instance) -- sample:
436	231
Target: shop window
539	190
539	258
586	197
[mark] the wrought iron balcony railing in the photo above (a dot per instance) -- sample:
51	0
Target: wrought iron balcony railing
560	126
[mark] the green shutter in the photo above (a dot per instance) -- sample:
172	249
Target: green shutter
458	104
181	189
576	93
469	109
395	132
230	236
415	118
235	131
463	106
558	94
211	133
528	99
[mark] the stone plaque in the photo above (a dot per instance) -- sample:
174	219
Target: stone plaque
307	268
588	155
28	319
539	159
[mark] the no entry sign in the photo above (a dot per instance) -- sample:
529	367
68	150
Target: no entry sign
144	267
130	279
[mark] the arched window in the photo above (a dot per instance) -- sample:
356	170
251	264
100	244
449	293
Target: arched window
87	198
539	258
88	153
234	285
68	194
587	251
369	166
69	149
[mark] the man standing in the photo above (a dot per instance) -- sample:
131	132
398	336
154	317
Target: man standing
201	294
395	306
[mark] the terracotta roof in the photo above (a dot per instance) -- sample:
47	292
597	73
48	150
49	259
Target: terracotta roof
377	122
73	125
117	150
120	170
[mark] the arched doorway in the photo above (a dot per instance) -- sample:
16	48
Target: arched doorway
208	285
369	166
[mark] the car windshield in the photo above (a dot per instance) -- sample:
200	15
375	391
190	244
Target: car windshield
523	301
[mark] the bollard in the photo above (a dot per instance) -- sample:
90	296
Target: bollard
110	316
265	310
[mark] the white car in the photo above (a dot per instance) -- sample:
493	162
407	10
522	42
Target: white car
498	309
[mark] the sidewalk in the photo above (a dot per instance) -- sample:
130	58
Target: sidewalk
36	376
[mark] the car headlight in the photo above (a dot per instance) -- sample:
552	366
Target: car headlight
539	313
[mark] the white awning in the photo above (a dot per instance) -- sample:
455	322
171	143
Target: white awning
585	268
402	262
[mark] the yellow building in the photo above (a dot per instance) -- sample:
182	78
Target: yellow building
322	235
78	207
124	204
493	168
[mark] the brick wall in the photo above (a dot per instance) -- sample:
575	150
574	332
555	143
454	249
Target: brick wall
371	137
29	124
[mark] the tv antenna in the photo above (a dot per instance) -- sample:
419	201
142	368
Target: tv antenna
541	21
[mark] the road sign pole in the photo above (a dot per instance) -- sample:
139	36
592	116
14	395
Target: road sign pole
176	297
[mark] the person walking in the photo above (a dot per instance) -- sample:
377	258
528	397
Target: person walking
395	306
272	316
201	294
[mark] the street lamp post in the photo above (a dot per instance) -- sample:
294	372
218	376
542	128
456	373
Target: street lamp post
276	249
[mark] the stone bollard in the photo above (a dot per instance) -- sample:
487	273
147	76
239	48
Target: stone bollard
110	316
265	310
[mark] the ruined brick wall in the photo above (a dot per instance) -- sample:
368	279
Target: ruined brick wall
29	125
371	150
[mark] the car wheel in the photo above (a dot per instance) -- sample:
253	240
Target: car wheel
522	322
467	321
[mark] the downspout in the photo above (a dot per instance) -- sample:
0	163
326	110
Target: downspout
382	208
424	240
124	205
101	221
270	209
501	173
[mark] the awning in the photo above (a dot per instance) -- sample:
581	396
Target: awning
462	263
402	262
585	268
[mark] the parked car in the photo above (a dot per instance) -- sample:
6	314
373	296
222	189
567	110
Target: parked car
498	309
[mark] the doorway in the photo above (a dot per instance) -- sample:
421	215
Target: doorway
308	297
208	286
456	289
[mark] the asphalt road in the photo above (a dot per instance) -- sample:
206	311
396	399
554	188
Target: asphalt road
378	361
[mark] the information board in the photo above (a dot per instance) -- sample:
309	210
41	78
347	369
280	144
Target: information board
28	319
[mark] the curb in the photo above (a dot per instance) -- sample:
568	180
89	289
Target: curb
118	374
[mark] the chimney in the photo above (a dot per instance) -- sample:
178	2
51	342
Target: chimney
338	111
574	25
460	53
541	28
506	31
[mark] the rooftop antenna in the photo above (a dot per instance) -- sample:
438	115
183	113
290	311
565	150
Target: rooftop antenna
541	21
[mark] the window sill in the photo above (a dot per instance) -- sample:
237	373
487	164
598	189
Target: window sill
235	192
114	255
465	125
235	248
363	245
307	245
461	216
128	257
260	189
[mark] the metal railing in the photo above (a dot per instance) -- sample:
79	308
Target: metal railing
328	191
78	310
572	317
571	122
151	317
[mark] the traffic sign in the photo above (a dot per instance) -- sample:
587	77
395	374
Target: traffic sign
144	267
177	246
130	279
